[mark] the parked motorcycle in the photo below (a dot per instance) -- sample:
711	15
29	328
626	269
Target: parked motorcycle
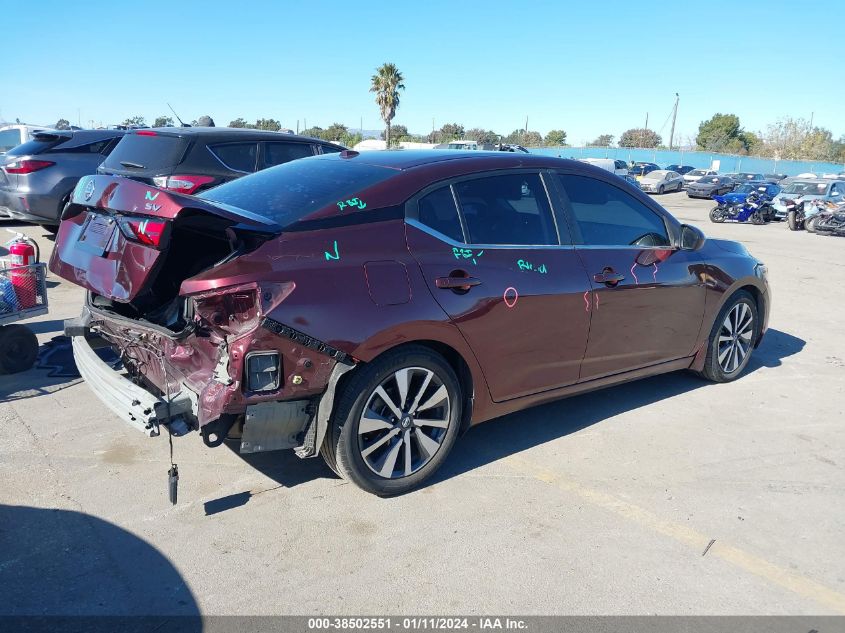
757	208
816	211
795	216
831	222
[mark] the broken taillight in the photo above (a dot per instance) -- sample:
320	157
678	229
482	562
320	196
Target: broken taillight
230	310
144	230
182	183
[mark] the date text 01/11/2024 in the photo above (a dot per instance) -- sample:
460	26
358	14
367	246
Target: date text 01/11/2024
416	623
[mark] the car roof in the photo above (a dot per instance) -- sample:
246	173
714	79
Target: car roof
409	159
227	133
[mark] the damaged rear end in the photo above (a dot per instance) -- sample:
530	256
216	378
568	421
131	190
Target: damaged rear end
197	347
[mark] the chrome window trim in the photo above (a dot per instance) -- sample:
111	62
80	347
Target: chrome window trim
448	240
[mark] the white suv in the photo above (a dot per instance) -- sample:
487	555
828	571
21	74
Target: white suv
14	135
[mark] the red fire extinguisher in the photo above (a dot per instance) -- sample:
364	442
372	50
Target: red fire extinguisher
24	253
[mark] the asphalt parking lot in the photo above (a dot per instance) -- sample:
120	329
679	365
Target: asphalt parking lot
600	504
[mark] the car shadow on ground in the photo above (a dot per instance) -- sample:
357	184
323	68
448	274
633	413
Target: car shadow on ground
516	432
64	563
510	434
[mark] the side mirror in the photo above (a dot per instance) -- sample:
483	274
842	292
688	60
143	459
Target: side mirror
691	238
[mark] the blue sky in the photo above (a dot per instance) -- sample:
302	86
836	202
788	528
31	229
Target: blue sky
586	67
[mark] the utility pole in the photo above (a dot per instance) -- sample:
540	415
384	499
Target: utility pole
674	116
812	116
642	136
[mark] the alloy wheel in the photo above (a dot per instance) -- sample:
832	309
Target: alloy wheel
735	337
404	422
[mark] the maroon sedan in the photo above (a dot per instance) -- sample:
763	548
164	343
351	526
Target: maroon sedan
370	308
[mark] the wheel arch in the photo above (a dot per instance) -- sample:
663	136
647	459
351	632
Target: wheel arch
456	361
752	286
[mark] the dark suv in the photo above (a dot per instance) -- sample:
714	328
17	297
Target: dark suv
37	177
192	159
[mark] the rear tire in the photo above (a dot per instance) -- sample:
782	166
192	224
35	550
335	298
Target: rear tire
405	440
810	224
18	348
792	221
757	219
728	355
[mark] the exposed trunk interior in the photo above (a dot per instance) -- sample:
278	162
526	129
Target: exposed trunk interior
197	242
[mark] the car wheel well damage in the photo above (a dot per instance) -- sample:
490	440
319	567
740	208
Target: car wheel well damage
456	362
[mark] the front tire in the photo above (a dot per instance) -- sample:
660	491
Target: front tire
395	421
660	190
732	339
717	215
810	224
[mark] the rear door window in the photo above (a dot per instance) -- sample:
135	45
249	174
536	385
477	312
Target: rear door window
236	156
330	149
437	211
607	216
278	153
506	209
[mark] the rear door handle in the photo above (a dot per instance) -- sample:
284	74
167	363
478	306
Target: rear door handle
456	282
608	277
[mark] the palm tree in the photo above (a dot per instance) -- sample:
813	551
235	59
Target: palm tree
386	83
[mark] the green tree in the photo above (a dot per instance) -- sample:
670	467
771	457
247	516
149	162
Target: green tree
268	124
135	120
62	124
796	139
514	137
163	121
603	140
314	132
386	84
639	137
532	139
481	136
398	133
335	132
722	132
556	138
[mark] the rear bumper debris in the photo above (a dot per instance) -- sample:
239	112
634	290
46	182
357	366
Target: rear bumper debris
133	404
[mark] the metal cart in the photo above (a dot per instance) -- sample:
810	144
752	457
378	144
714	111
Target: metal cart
23	294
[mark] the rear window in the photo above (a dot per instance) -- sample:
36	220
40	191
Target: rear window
289	192
37	145
136	151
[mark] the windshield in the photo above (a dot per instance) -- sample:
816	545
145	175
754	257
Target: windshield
289	192
697	172
744	189
639	170
807	188
658	174
710	179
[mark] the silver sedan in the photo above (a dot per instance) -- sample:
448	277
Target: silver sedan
661	181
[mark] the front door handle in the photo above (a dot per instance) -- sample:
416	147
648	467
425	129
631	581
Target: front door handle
608	277
460	283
